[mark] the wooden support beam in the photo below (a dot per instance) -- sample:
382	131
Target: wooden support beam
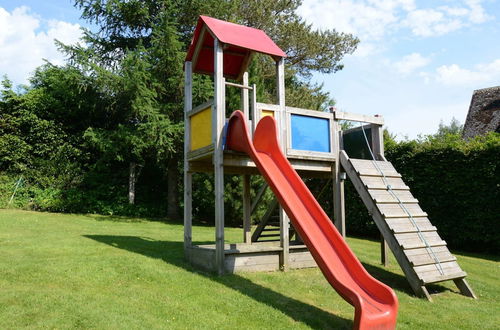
265	219
218	121
339	115
188	179
284	220
338	183
258	198
384	252
464	288
247	222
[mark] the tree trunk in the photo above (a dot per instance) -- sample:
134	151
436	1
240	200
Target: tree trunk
173	211
131	183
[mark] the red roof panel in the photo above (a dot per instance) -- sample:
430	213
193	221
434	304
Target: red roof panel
243	41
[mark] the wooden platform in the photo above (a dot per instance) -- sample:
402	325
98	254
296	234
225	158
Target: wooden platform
243	257
415	242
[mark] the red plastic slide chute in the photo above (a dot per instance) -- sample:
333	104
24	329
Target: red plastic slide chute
375	304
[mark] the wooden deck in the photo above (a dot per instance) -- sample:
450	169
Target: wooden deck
243	257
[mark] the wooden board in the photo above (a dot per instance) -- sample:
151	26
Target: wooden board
384	196
374	182
397	211
432	273
375	168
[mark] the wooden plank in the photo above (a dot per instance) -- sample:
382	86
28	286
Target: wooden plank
422	260
437	277
450	267
413	241
200	153
338	183
373	182
370	164
424	251
397	211
340	115
419	244
384	196
200	107
188	178
431	236
308	112
376	172
410	228
420	221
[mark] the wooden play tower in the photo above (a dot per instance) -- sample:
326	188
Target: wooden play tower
315	145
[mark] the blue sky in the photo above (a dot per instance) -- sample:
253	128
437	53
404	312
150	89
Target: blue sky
417	64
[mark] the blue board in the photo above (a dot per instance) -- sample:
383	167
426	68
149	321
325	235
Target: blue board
310	133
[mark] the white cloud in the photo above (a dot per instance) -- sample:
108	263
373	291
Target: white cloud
410	63
483	75
26	39
374	19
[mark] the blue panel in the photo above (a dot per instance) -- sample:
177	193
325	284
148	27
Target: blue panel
310	133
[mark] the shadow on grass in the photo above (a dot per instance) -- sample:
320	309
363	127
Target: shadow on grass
172	253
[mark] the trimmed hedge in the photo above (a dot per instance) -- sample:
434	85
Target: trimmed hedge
457	183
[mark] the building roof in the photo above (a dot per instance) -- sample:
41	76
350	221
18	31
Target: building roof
484	112
239	43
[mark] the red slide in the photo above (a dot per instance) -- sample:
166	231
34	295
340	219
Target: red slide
375	304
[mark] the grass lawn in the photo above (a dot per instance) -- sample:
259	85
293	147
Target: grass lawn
86	271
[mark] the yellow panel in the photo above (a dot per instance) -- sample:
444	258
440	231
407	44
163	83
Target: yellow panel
201	129
265	113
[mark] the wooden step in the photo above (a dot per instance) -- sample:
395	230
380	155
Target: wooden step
431	273
375	182
437	277
424	256
397	211
271	229
431	237
410	228
417	244
428	259
384	196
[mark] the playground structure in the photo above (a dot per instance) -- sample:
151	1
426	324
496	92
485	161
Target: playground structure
312	144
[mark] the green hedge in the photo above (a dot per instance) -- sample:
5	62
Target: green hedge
457	183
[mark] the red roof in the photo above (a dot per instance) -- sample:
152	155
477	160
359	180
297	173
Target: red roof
240	42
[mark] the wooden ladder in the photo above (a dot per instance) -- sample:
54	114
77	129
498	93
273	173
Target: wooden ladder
414	241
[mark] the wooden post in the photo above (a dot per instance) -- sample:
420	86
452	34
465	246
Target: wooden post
188	180
378	153
284	220
338	182
244	97
247	223
253	109
218	121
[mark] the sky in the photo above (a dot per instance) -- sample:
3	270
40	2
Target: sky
417	64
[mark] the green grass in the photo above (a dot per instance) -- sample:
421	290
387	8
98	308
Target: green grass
85	271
